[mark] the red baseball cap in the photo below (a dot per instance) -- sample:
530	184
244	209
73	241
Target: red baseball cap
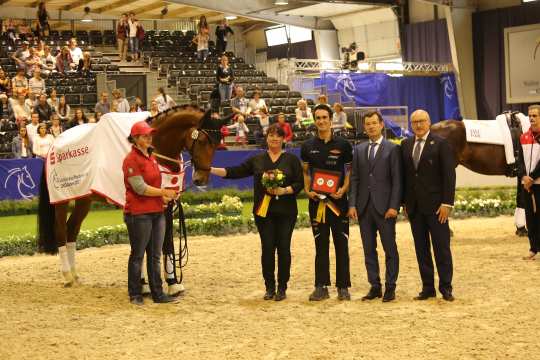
141	128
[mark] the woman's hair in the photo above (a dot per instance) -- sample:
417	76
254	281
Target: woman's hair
276	130
257	92
42	126
162	92
338	106
301	102
26	139
279	115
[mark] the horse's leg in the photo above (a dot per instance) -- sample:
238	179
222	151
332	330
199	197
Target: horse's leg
81	209
174	287
60	234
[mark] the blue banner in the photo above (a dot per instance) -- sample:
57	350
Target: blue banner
19	179
435	94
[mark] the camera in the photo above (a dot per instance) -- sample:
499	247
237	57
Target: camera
351	57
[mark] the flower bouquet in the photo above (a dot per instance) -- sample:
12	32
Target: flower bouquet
271	179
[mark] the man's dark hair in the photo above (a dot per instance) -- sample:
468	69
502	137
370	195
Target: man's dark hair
323	107
370	114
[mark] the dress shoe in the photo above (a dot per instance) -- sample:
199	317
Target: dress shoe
320	293
447	296
136	300
389	295
164	298
269	294
343	294
372	294
280	295
424	295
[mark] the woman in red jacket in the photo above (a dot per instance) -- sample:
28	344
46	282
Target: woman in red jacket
143	214
286	127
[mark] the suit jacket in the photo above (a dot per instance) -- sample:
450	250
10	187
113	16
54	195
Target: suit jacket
434	182
379	180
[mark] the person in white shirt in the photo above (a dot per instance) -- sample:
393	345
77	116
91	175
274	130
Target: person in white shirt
30	102
164	101
32	128
48	61
257	108
339	119
122	105
133	25
19	108
53	100
42	141
241	130
36	84
75	51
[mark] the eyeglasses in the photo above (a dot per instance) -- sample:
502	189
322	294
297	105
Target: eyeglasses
418	122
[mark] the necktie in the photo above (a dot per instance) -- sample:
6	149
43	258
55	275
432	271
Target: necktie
371	155
416	153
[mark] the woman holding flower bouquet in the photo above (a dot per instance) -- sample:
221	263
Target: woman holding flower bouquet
277	179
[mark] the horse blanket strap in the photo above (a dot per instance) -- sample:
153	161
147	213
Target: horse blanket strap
77	164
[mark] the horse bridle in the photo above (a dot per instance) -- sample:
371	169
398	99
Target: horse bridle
195	135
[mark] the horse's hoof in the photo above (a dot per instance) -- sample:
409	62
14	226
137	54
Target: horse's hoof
175	289
68	279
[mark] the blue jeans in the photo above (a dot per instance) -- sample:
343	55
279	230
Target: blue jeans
134	45
146	232
225	92
202	54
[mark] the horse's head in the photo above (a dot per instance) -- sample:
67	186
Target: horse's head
512	119
26	178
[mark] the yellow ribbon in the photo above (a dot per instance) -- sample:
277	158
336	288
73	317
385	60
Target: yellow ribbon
321	210
263	206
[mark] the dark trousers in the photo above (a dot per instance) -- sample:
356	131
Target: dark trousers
532	218
423	227
221	46
370	222
275	232
146	232
339	225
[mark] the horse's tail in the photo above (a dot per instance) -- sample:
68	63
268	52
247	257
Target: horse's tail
46	220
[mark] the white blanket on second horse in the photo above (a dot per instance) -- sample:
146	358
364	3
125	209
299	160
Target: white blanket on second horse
88	159
495	132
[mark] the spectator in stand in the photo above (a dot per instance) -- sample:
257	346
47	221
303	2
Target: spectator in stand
85	64
98	116
92	120
322	100
37	84
43	20
42	141
154	109
133	39
241	130
21	55
43	108
5	87
40	49
225	78
103	106
10	30
20	111
239	104
258	109
122	30
31	101
32	62
21	146
202	26
139	104
339	119
53	100
286	127
201	39
19	81
164	101
48	62
78	119
63	110
132	107
56	127
303	114
64	62
221	36
75	52
32	128
122	105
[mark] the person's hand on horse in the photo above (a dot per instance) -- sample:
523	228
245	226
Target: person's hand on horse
352	213
390	213
338	194
443	212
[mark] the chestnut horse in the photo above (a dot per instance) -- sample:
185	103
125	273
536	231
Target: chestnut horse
178	129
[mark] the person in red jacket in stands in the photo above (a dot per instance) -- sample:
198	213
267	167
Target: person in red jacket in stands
286	127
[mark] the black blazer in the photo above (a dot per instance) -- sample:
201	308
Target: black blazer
434	182
380	181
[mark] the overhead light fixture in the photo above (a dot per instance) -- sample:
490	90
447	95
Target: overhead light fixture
281	2
231	17
86	17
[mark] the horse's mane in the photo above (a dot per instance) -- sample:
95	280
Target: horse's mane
175	116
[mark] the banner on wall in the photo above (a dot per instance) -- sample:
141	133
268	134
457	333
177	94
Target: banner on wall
19	179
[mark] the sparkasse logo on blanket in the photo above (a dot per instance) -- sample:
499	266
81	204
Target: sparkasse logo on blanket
69	154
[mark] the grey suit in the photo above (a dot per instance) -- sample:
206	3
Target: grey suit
375	187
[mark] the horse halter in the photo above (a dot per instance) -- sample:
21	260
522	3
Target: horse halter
195	136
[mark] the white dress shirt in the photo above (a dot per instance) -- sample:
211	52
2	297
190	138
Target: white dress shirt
376	147
421	145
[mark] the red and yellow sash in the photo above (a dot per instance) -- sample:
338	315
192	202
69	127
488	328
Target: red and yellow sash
321	210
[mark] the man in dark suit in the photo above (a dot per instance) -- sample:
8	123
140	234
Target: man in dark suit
430	182
374	199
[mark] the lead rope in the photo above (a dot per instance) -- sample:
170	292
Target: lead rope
183	250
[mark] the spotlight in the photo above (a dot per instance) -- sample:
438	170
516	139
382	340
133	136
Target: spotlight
231	17
86	17
165	10
281	2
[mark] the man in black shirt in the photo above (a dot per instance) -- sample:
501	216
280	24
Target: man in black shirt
328	153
